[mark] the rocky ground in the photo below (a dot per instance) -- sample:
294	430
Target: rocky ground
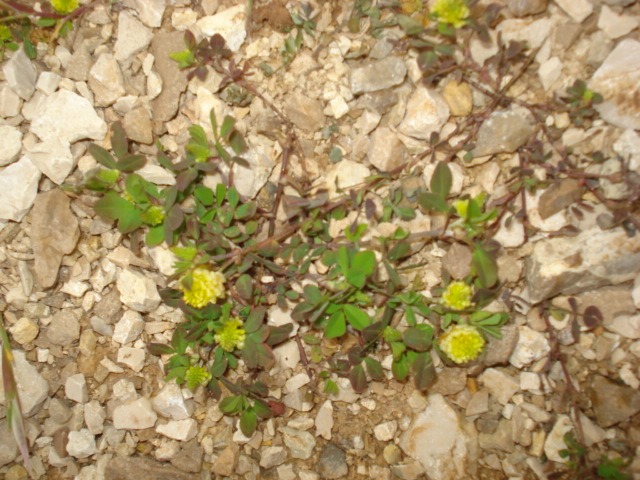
81	306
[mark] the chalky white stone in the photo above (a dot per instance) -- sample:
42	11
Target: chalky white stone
135	415
182	430
11	144
75	388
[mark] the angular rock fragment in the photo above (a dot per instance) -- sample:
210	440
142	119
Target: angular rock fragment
54	233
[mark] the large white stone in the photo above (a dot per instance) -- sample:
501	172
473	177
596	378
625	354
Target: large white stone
576	9
10	145
182	430
53	157
500	384
618	81
94	416
132	357
534	33
128	328
81	444
33	389
18	189
628	147
436	439
149	11
69	117
615	25
133	37
106	80
345	173
230	23
75	388
170	403
135	415
531	346
20	73
137	291
426	113
10	102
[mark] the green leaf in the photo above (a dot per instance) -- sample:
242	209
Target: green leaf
230	405
204	194
423	371
400	368
233	197
113	206
356	277
159	349
343	259
185	58
250	352
238	145
356	317
400	250
246	210
374	368
336	326
312	294
358	379
365	261
227	126
418	338
131	163
485	267
335	154
178	341
221	192
410	25
130	221
175	217
119	141
254	320
397	349
441	180
432	202
102	156
244	287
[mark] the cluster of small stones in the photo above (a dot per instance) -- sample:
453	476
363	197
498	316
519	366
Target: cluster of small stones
80	306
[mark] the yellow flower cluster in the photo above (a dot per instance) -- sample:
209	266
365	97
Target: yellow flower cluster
153	216
462	343
457	296
231	335
196	376
206	287
64	6
454	12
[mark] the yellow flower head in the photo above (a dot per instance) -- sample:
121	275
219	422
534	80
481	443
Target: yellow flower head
461	206
5	33
231	335
153	216
462	343
196	376
207	287
457	296
454	12
64	6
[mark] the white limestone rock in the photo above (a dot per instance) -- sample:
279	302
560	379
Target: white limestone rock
132	357
628	147
21	74
436	439
531	346
137	291
181	430
555	440
385	431
94	417
157	174
75	388
106	80
618	81
230	23
426	113
24	330
576	9
33	389
69	117
54	158
149	11
10	102
626	325
170	403
500	384
11	144
135	415
18	189
81	444
133	37
615	25
324	420
48	82
345	173
128	328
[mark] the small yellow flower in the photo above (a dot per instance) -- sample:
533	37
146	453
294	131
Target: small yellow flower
462	343
196	376
153	216
231	335
454	12
64	6
461	206
5	33
457	296
207	287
